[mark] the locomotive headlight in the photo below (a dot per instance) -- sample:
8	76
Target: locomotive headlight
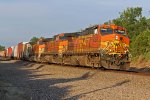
116	37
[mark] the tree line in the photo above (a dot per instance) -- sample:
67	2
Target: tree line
2	48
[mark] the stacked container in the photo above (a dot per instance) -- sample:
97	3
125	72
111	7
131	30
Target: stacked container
15	52
9	52
21	49
27	50
2	53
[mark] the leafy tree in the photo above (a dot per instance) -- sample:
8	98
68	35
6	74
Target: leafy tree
34	40
2	48
133	21
141	44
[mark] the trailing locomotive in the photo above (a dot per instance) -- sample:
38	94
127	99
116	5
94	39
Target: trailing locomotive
96	46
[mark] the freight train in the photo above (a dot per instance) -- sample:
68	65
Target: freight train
96	46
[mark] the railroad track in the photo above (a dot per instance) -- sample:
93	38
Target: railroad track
131	72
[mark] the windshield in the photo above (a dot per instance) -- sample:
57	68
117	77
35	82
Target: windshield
120	31
62	37
106	31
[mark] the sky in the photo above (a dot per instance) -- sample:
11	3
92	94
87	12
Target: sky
20	20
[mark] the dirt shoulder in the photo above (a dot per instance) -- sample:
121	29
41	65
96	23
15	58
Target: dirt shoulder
140	65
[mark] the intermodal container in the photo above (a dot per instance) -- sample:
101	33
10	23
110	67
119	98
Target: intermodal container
27	50
2	53
15	52
9	52
21	47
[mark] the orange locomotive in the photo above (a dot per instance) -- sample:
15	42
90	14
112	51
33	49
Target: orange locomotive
100	45
96	46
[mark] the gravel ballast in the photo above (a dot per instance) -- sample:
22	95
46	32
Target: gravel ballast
55	82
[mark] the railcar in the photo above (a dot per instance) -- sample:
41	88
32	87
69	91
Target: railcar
21	50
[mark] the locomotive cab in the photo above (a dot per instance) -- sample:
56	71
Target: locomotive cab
114	39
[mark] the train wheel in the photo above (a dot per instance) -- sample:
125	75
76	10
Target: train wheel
67	60
83	61
74	61
125	66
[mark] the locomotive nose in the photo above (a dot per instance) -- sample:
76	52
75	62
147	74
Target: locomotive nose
116	37
119	45
119	38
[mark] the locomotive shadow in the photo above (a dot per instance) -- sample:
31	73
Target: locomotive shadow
109	87
37	89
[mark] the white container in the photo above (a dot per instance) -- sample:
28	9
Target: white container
27	50
12	47
15	52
